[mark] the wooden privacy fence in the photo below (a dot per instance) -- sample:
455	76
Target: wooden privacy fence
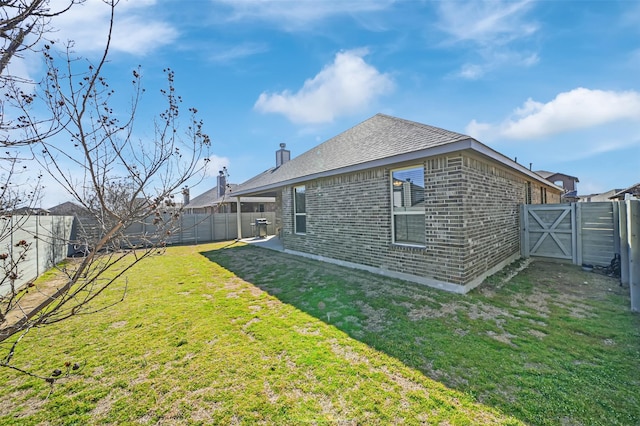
587	234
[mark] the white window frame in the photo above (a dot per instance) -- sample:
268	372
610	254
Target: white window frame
406	212
296	213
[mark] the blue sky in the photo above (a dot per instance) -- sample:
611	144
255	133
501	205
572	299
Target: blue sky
553	83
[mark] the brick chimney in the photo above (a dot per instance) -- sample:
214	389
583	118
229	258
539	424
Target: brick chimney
282	155
222	184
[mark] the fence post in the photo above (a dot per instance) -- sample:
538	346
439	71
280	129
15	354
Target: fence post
239	218
616	227
181	225
37	246
624	242
11	237
525	231
577	233
633	223
196	225
226	226
54	241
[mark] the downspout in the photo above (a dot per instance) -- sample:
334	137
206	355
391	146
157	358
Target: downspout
239	219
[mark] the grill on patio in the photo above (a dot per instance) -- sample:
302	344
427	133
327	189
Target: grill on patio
260	227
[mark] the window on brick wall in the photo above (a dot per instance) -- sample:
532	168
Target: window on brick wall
300	210
543	195
528	194
407	186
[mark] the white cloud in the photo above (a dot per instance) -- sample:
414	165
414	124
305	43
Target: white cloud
604	146
478	130
530	60
472	71
492	60
485	22
136	30
214	165
346	86
577	109
489	27
297	15
222	54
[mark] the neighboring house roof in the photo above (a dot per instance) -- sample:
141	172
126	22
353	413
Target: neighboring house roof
67	208
545	174
210	198
29	211
633	189
379	141
605	194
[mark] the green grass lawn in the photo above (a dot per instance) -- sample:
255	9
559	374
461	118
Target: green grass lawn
231	334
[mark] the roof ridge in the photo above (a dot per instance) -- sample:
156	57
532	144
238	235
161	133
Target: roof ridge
439	130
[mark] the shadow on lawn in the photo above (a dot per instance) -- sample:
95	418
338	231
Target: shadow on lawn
542	353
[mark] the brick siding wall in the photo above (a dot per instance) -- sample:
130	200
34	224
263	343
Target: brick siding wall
491	213
278	221
471	218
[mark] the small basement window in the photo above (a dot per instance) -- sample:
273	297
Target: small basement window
299	210
407	195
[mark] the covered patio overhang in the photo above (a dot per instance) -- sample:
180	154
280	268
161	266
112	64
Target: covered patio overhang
260	197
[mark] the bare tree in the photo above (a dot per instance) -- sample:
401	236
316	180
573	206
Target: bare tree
126	185
23	23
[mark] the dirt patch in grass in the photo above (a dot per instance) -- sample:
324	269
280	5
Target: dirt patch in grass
426	311
347	353
21	403
118	324
375	318
569	288
37	293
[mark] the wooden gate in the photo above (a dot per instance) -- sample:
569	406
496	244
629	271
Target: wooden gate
549	230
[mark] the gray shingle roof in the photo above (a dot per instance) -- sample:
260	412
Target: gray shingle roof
379	137
380	141
209	198
545	174
633	189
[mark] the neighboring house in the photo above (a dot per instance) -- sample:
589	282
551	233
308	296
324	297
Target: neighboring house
403	199
566	182
68	209
631	192
30	211
220	199
598	198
